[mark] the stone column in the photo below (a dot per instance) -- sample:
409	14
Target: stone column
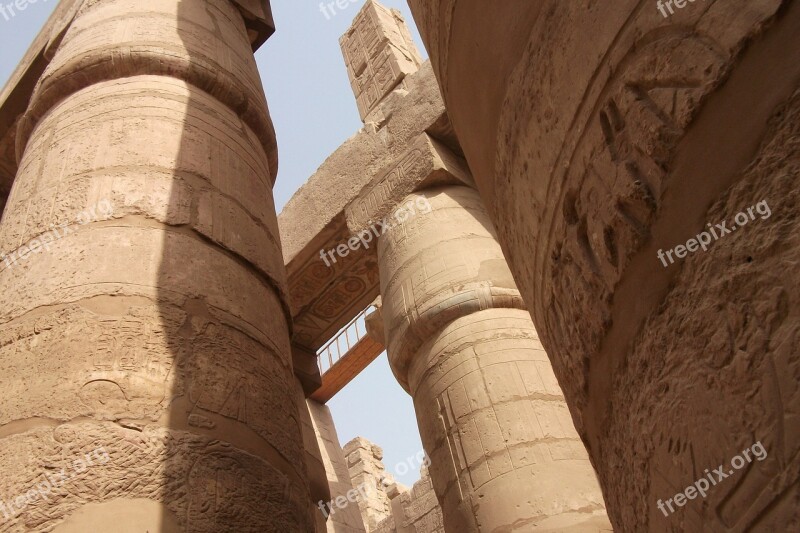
316	462
492	417
345	518
142	312
602	140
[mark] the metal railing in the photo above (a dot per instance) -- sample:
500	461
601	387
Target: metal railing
343	341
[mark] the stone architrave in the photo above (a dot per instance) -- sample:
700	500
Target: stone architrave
426	163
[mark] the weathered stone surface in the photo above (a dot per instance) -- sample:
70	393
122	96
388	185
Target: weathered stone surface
315	464
366	469
325	297
599	136
324	196
257	15
390	507
198	482
374	322
222	194
504	453
427	163
379	53
17	92
414	511
195	39
341	520
159	329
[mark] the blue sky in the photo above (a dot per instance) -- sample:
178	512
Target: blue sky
314	111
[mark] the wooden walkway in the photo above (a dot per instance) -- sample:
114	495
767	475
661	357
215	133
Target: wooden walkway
346	356
347	368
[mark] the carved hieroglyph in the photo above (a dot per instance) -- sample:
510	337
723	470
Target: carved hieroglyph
324	297
503	450
600	135
159	332
379	53
426	163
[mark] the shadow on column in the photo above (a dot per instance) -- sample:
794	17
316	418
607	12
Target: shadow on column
153	339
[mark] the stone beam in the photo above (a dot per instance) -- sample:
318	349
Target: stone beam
257	15
327	292
323	298
426	163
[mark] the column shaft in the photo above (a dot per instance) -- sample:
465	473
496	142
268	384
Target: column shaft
150	320
492	416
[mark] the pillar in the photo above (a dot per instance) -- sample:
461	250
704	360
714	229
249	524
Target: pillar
316	461
603	139
344	518
504	453
143	313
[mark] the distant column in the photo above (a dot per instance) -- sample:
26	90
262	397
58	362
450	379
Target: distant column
343	515
491	414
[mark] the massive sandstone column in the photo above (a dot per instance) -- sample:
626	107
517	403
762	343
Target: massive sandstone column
157	332
599	133
504	453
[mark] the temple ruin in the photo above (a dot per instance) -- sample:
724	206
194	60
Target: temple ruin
495	226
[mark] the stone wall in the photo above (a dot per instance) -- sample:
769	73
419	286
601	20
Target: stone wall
414	511
391	507
367	470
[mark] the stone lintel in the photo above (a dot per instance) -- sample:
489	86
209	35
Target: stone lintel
325	297
306	369
351	289
327	292
258	18
427	163
316	209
